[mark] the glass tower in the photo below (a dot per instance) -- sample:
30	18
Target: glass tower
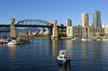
97	19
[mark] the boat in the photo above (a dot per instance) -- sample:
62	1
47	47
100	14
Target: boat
98	39
105	39
17	41
74	39
84	39
13	42
63	57
3	41
23	41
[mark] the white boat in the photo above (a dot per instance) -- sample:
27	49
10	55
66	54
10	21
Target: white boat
84	39
98	39
105	39
74	39
2	41
63	57
12	42
18	42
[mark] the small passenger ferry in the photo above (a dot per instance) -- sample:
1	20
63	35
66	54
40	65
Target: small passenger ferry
63	57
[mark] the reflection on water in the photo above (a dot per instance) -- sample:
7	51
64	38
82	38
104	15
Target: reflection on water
65	67
97	50
69	46
41	56
54	47
11	46
84	49
12	53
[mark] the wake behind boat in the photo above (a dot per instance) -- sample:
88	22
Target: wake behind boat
63	57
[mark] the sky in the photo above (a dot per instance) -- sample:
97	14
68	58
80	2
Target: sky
48	10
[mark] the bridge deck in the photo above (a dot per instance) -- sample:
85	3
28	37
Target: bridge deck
17	25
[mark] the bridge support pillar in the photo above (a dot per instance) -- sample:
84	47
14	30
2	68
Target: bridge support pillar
54	30
12	28
69	28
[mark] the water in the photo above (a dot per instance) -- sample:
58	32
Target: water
41	56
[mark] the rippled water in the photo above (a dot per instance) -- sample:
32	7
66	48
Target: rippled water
41	56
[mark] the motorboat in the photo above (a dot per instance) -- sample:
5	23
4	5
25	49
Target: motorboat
84	39
18	41
13	42
74	39
63	57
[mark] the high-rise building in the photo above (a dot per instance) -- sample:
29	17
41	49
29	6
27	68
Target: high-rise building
68	22
97	19
69	28
85	19
97	28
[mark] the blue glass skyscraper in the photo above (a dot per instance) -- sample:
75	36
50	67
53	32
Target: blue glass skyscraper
96	19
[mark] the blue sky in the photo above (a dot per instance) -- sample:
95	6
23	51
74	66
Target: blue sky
49	10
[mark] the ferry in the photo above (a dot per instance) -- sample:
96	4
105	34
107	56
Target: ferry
63	57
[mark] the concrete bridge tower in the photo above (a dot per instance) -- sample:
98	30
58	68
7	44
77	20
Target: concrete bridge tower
54	30
12	28
69	28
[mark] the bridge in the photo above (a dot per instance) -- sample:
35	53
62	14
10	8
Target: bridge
32	23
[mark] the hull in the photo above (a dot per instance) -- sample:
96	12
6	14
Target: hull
61	62
12	43
63	57
83	39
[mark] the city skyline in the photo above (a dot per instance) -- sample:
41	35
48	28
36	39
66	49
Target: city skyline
48	10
